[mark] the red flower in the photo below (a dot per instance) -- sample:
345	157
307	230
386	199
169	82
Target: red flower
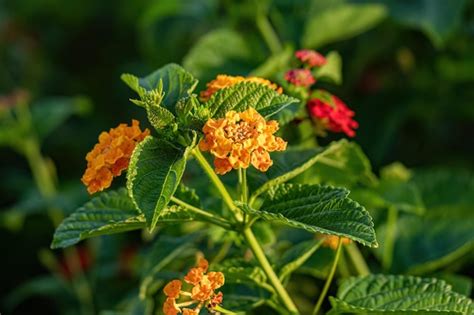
336	117
310	57
300	77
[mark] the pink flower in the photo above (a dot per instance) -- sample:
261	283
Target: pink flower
300	77
310	57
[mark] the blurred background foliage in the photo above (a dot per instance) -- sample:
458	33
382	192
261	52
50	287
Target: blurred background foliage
407	71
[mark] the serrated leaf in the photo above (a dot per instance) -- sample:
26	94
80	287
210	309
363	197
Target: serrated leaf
177	83
377	294
317	208
341	22
241	96
154	173
133	82
332	70
296	256
159	117
110	212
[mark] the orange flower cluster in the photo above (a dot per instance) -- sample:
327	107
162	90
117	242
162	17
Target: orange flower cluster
223	81
111	155
240	139
202	293
331	241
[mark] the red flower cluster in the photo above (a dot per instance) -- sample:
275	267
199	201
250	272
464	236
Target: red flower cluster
310	57
300	77
334	116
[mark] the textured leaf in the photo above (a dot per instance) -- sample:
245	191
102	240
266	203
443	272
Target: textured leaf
317	208
177	83
341	22
210	56
332	70
376	294
154	173
243	95
110	212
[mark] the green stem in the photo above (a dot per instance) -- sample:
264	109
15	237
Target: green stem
329	279
390	234
209	217
215	180
248	234
267	268
342	265
357	259
44	180
268	33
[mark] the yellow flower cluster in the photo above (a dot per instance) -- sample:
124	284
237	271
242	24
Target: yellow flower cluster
111	155
241	139
202	293
223	81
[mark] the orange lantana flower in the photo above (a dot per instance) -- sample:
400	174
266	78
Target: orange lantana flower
331	241
223	81
241	139
202	292
111	155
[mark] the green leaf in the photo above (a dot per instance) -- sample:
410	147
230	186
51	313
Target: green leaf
332	70
377	294
241	271
110	212
154	173
241	96
317	208
296	256
165	251
425	244
177	83
275	63
286	165
437	19
343	163
401	195
341	22
219	51
48	114
341	159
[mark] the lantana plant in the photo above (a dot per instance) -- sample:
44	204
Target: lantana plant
216	156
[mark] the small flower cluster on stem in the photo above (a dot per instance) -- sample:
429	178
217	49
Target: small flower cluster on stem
201	295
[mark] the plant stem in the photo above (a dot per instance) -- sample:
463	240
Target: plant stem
357	259
268	33
248	234
209	217
267	268
390	234
45	181
215	180
329	279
